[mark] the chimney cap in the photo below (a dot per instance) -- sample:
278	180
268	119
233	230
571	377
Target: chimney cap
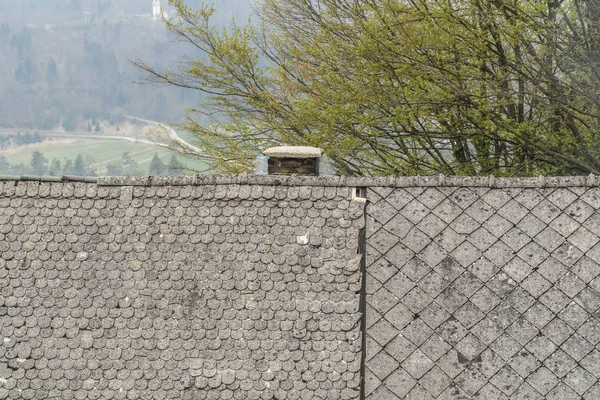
294	152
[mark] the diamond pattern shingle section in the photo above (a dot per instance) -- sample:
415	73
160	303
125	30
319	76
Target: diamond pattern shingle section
451	300
549	239
431	225
415	269
399	255
518	269
382	300
592	197
471	380
593	223
529	198
416	300
562	197
577	347
381	211
586	269
383	365
533	254
449	269
417	332
417	364
507	380
433	254
381	269
416	240
546	211
583	239
468	284
452	331
487	303
499	254
589	299
520	299
398	226
434	315
557	331
449	239
483	269
469	314
383	331
515	239
431	197
434	383
371	382
495	198
579	210
382	241
383	393
447	211
399	198
524	363
531	225
435	347
482	239
480	211
485	299
415	211
466	254
552	269
522	331
570	284
513	211
580	380
564	225
470	347
567	254
399	383
399	315
504	315
543	380
464	197
560	363
536	285
555	300
464	224
399	285
574	315
400	348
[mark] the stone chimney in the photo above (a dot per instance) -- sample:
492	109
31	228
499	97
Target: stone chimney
298	160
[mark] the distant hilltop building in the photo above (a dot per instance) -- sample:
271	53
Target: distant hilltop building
156	10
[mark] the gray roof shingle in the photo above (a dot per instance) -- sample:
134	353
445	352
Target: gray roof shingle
166	289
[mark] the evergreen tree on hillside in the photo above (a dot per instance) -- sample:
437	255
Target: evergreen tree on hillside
114	168
55	167
39	163
68	168
51	72
4	165
129	164
175	167
89	162
156	166
79	167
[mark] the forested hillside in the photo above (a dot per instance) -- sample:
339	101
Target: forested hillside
66	62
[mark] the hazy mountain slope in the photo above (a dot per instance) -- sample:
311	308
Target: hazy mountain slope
63	62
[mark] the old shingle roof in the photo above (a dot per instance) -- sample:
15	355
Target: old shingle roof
179	288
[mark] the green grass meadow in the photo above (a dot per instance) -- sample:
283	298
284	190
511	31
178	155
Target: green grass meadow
104	151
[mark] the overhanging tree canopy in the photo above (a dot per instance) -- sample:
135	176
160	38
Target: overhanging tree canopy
504	87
